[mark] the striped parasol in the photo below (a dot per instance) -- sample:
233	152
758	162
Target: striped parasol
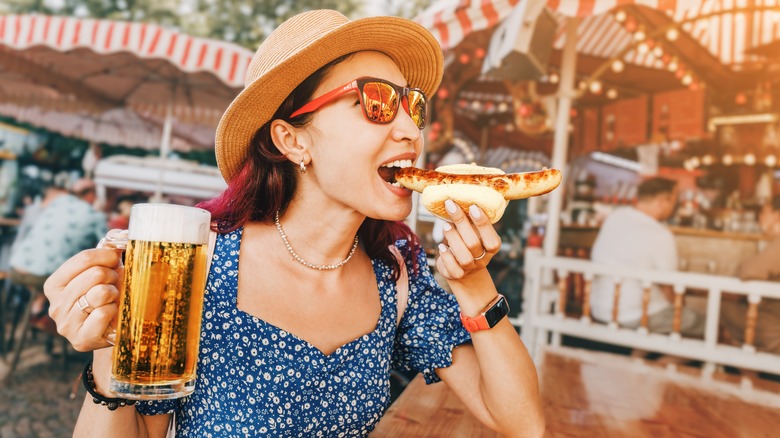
80	65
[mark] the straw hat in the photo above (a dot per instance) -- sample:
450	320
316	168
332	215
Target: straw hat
302	45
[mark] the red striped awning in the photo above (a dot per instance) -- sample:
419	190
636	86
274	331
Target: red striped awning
226	61
726	35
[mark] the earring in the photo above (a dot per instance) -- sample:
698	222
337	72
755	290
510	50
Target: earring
303	166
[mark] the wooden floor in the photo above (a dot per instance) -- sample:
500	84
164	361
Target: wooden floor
590	394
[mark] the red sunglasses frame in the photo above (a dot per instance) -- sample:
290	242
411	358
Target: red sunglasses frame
357	85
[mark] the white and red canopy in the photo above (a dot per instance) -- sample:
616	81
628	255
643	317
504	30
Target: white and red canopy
88	67
726	28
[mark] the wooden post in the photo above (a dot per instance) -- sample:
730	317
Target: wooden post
646	288
678	305
588	289
750	320
616	303
563	292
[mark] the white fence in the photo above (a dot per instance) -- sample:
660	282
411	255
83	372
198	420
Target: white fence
544	318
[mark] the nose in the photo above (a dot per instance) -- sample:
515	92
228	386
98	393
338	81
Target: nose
404	128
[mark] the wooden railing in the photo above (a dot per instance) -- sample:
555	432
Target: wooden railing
551	282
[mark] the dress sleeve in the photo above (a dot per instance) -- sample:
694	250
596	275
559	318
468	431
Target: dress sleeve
430	327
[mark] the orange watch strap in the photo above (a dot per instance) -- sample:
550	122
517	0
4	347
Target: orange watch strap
479	322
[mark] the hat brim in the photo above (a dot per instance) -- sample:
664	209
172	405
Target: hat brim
408	44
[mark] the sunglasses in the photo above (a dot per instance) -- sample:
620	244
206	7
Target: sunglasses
380	101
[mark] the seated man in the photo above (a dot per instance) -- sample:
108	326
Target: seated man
762	266
633	237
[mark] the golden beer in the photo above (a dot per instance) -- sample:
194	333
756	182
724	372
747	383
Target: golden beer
158	327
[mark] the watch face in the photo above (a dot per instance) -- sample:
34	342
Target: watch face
498	311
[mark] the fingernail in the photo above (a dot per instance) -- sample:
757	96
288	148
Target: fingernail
446	226
450	206
474	212
442	247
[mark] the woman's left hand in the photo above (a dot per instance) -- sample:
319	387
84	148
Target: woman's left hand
471	241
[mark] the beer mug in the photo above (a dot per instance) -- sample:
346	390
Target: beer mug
161	301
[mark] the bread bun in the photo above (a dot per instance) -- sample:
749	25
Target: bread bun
465	195
469	169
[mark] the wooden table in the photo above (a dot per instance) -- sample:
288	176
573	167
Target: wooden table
592	394
429	411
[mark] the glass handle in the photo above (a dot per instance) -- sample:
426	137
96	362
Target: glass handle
117	240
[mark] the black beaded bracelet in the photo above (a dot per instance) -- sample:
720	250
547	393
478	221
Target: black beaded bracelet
89	383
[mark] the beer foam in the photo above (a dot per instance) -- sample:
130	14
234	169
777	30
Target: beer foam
169	223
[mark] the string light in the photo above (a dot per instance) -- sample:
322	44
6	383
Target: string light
620	16
749	159
618	66
672	34
612	94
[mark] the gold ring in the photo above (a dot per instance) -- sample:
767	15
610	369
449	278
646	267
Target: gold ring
84	306
481	256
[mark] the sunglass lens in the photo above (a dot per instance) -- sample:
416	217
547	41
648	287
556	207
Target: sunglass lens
380	102
418	108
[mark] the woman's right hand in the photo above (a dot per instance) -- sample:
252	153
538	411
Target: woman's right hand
95	274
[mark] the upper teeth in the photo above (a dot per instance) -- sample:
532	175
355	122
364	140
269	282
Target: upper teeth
398	163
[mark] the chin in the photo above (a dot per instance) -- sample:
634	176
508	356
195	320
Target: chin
392	214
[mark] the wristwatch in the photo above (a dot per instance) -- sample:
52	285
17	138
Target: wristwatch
488	318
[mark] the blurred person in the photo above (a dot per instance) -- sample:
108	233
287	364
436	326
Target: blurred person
634	237
65	224
301	340
120	216
764	265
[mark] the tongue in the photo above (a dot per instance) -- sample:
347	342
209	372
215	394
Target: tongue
387	173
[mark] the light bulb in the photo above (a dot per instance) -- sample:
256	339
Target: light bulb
640	35
672	34
749	159
595	87
618	66
612	93
687	79
770	160
620	16
728	160
707	160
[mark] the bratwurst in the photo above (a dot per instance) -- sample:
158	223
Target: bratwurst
466	184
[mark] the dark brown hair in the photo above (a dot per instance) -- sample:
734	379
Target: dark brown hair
655	186
267	181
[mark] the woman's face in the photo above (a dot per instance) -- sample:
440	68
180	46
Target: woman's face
348	153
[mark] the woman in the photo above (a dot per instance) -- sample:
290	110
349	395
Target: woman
311	216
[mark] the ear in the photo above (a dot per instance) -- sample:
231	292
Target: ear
293	142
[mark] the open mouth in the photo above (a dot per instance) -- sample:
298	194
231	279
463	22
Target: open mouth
387	171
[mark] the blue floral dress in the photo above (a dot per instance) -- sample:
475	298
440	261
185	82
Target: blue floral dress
256	379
